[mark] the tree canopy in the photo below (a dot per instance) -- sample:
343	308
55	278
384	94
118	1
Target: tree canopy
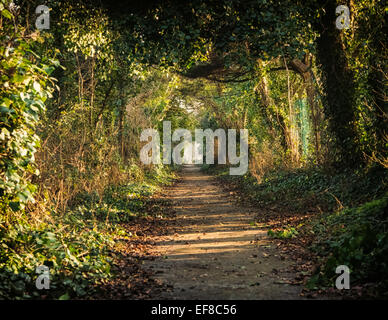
305	78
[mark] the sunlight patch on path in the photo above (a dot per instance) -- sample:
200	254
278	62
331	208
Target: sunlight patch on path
215	252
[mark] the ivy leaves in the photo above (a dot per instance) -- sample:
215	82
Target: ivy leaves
26	82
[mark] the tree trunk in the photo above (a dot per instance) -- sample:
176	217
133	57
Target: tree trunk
316	116
339	88
377	80
304	69
265	111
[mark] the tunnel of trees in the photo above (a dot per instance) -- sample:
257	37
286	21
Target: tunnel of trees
75	98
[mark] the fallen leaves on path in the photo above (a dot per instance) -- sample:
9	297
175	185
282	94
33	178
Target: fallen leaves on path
132	281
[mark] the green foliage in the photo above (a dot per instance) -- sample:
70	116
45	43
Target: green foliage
75	246
90	179
26	84
311	190
286	233
74	249
180	34
356	237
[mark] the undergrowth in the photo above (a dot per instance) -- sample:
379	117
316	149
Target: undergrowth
358	238
75	244
303	190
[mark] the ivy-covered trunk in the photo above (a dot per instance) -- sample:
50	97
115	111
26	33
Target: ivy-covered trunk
339	88
378	78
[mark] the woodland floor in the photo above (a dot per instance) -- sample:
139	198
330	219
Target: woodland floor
213	250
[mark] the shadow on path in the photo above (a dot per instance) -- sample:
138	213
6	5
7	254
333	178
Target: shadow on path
216	253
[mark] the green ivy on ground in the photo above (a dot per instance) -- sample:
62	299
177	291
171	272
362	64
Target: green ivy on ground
75	245
356	237
304	189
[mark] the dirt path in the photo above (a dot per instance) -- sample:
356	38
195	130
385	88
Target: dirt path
216	253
